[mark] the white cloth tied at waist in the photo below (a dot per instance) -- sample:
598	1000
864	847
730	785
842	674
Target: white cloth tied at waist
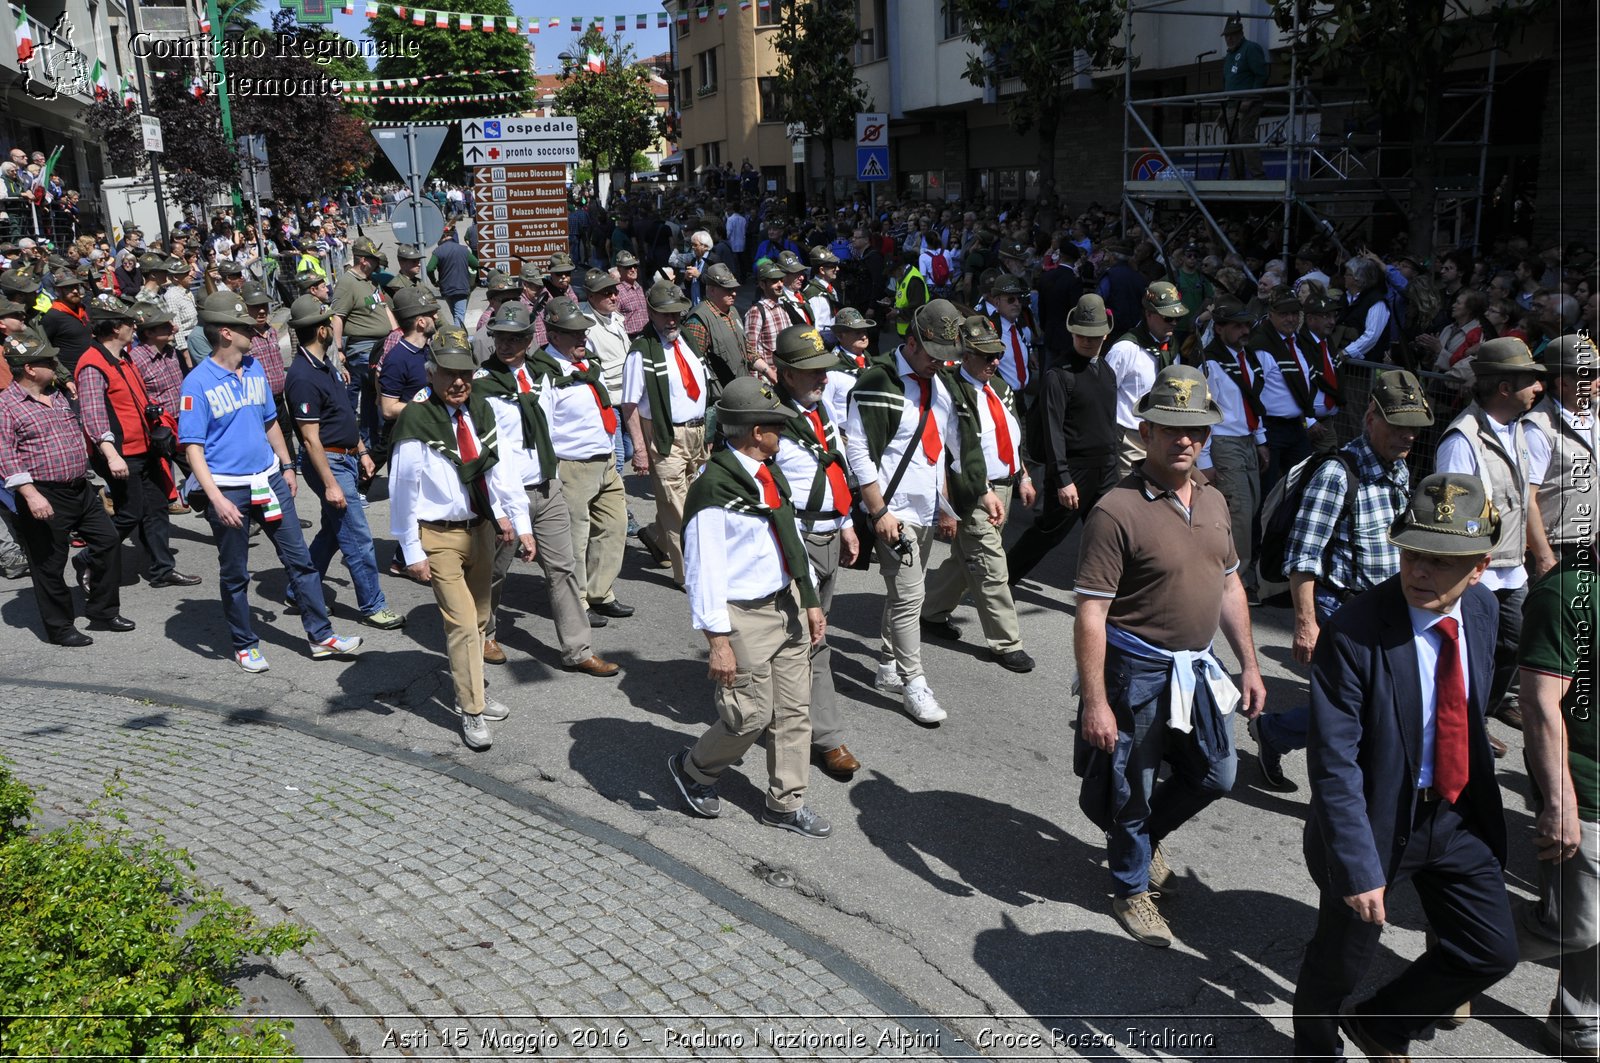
1182	681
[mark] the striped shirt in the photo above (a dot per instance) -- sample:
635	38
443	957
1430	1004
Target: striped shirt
1361	556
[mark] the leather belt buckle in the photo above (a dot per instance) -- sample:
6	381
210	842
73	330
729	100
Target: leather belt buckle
696	422
1428	795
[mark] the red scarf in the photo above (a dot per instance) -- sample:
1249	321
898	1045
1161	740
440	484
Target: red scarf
80	313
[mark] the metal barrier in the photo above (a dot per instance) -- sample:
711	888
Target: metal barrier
1446	395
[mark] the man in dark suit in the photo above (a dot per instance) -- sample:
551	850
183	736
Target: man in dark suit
1403	786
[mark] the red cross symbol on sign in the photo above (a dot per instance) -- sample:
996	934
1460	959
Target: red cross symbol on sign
494	153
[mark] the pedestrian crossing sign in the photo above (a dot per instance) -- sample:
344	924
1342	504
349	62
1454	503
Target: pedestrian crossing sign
872	164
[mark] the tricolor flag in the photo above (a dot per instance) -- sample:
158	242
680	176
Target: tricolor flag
595	63
441	20
766	5
102	84
418	16
683	18
372	8
399	11
533	25
661	20
197	88
577	23
554	22
24	37
722	10
703	13
511	25
186	404
465	22
642	22
130	99
488	23
621	23
349	7
744	5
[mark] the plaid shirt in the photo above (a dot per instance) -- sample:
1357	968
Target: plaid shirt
264	349
1361	557
633	308
40	443
762	323
163	376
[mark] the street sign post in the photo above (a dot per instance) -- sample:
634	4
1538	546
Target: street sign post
872	164
510	139
872	149
150	126
411	149
519	186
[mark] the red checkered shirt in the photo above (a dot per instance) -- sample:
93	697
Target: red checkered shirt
633	308
40	443
163	376
762	323
264	349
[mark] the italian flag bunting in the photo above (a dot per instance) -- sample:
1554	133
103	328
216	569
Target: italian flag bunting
349	7
533	25
595	63
465	22
722	10
577	23
642	22
418	16
441	20
488	23
704	13
511	25
621	23
24	37
661	20
372	8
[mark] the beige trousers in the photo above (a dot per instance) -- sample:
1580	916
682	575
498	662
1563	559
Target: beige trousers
903	584
977	562
462	560
599	510
670	478
771	695
1130	450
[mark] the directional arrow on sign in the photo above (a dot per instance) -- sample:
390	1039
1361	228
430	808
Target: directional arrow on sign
473	154
473	128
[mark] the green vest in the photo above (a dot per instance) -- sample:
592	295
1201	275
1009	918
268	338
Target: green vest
724	484
658	386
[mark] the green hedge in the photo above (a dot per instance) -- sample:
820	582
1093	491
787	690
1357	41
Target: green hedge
110	947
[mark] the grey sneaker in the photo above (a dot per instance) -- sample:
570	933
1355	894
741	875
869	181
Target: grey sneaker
492	710
384	619
335	646
1161	876
1140	917
703	799
475	730
802	821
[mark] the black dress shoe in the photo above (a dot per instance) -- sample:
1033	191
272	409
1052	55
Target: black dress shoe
614	609
113	623
596	620
1014	661
72	638
942	629
175	579
80	565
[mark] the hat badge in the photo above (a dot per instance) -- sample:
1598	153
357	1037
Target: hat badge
950	328
1181	390
816	340
1444	509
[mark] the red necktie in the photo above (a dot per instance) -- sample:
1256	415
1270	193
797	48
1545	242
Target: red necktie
1296	355
773	501
608	416
1002	431
465	444
1449	715
524	385
690	386
838	486
1020	358
930	428
861	361
1328	372
1250	419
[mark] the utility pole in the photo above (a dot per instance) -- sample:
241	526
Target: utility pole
215	15
144	108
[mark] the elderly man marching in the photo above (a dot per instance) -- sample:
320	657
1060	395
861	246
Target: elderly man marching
451	499
523	401
664	407
1156	575
811	456
748	580
976	563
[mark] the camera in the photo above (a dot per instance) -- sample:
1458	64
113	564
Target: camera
162	442
905	547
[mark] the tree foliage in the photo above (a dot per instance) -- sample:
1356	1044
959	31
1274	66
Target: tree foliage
117	129
615	107
206	165
816	77
1046	45
451	51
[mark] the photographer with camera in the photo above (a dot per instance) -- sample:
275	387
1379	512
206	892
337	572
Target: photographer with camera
115	406
901	433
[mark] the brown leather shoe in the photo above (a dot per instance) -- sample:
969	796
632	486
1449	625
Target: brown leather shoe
492	653
596	665
841	761
1510	714
1497	747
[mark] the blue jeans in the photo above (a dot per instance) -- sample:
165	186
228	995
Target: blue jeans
346	531
1137	692
233	556
623	443
359	385
458	310
1285	732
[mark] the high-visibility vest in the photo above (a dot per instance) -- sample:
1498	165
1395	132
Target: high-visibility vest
902	298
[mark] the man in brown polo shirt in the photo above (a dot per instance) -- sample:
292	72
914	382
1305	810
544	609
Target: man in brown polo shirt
1156	576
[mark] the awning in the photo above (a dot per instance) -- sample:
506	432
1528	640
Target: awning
675	159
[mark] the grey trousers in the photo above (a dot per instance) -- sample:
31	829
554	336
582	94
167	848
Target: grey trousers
977	564
552	534
827	723
1238	470
904	589
1565	922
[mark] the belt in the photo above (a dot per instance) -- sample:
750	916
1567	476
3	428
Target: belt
695	422
1270	419
451	525
62	485
1009	481
1428	795
356	451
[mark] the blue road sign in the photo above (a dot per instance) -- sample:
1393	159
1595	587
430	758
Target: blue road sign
491	130
872	164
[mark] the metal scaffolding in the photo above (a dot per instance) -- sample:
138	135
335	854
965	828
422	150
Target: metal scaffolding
1335	179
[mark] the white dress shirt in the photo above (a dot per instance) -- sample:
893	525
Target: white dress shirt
799	467
836	395
1231	401
1427	641
577	429
1372	330
520	454
424	486
1014	336
683	407
729	557
1276	398
920	493
1322	404
1136	375
1456	455
821	309
997	468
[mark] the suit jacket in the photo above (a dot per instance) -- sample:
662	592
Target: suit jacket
1366	739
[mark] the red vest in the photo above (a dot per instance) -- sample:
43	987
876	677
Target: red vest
125	395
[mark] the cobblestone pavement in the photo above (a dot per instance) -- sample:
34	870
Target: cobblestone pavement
451	924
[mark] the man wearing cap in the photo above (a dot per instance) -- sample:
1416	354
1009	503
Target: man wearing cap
766	318
1403	784
1136	357
179	303
820	293
976	563
582	431
1012	319
228	426
901	432
153	270
1564	503
522	397
44	463
333	460
811	457
408	273
1491	440
1244	67
534	294
794	279
748	580
609	342
1157	575
404	372
231	275
1321	312
1194	288
630	293
452	499
1080	438
1291	381
362	318
852	338
1236	451
312	283
557	278
911	291
713	332
156	357
112	401
453	268
66	323
664	392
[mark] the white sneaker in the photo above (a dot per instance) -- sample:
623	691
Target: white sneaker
492	710
888	679
251	660
335	645
920	703
475	730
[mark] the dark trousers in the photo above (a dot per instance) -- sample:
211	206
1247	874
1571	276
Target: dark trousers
77	505
1506	687
1463	893
1057	521
141	510
1288	444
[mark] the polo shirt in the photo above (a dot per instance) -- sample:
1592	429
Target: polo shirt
317	394
405	371
228	414
362	305
1162	566
1559	622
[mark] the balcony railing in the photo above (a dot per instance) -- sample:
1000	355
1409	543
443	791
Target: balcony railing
69	66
